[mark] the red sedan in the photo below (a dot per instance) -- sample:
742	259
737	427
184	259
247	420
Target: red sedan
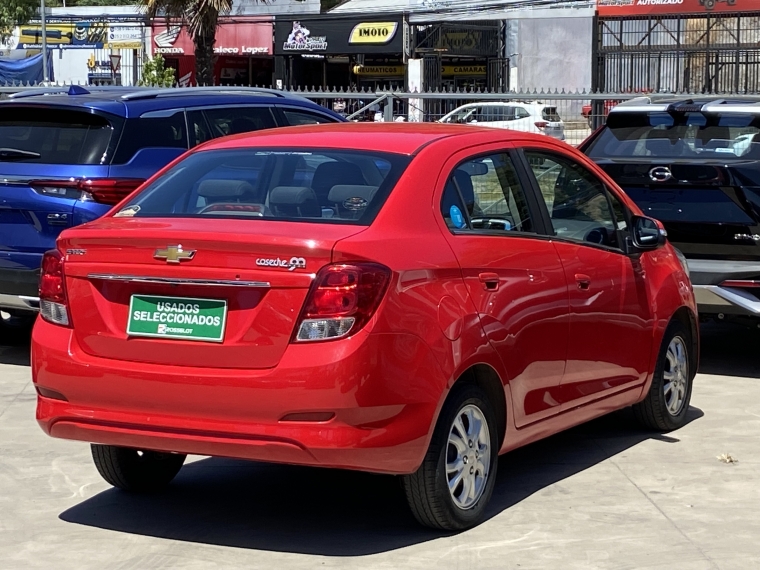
405	299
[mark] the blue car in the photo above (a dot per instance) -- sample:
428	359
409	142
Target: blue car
67	156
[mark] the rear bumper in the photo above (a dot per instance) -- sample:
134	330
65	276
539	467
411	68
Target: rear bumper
713	297
383	389
19	289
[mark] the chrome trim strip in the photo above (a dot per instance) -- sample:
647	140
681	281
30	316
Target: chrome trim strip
21	302
179	281
716	295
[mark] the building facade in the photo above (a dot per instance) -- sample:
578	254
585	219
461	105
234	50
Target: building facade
691	46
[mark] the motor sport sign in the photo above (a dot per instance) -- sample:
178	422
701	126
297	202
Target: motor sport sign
673	7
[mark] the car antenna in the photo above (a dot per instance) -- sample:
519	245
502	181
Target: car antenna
77	90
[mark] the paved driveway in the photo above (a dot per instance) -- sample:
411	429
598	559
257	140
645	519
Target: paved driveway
604	495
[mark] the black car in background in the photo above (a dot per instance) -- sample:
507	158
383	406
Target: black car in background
695	165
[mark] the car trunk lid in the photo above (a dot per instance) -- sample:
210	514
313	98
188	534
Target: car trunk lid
258	269
709	209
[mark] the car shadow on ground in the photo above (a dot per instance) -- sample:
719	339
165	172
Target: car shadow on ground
729	350
330	512
15	340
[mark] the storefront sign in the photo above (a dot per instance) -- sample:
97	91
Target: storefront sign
662	7
379	70
337	36
376	33
238	38
125	37
72	34
463	70
300	39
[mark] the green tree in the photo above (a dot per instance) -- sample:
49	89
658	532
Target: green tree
202	19
15	13
156	74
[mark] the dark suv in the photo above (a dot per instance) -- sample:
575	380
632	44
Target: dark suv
67	155
695	165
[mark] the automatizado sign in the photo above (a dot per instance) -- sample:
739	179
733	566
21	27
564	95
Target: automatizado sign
645	7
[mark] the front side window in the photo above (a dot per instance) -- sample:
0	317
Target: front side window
577	201
236	120
484	193
327	186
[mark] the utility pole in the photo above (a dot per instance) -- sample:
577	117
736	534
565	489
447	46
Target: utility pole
45	74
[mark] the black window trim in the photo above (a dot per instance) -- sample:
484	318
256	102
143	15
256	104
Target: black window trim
283	120
526	186
549	232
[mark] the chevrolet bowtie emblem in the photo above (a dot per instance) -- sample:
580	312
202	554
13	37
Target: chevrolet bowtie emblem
174	254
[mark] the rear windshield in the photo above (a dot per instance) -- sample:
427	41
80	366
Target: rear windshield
54	136
682	135
328	186
550	114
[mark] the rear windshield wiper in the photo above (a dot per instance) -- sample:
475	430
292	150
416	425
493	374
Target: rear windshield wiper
17	154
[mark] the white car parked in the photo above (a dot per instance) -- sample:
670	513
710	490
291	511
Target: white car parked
527	117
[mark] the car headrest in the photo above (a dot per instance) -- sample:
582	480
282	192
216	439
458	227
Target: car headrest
342	192
294	201
224	188
329	174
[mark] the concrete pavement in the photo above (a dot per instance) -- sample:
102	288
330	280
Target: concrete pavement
604	495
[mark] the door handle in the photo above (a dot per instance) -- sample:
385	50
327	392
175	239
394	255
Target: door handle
490	281
583	281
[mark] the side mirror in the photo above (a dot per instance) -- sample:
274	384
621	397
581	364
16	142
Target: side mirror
648	233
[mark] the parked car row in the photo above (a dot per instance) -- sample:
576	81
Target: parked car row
409	299
395	298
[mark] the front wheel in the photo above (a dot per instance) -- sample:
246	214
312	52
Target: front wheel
136	470
667	402
453	485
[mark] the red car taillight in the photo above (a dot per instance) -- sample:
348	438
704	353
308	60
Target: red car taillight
541	124
342	300
107	191
53	303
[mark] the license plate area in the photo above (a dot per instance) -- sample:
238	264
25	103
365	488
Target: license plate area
182	318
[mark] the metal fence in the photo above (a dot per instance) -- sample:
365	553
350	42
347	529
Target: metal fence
579	112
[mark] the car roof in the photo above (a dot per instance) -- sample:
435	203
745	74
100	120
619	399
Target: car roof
534	104
705	104
133	101
398	138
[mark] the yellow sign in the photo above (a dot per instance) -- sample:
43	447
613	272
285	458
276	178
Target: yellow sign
378	33
464	70
379	69
124	45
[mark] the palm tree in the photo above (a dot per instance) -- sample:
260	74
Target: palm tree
201	18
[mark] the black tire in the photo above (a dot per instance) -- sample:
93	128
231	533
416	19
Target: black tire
427	489
135	470
653	412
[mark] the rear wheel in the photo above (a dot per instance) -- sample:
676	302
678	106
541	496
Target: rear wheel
667	402
453	485
136	470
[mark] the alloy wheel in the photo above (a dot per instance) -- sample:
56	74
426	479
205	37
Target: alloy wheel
468	456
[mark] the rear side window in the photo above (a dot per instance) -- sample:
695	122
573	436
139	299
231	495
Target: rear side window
55	136
327	186
299	117
484	193
151	132
550	114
